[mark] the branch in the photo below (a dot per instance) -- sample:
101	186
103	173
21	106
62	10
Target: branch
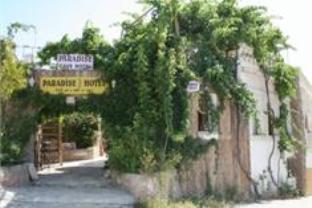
238	117
271	115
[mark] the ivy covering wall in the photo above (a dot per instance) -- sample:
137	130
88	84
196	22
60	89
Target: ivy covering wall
182	41
145	109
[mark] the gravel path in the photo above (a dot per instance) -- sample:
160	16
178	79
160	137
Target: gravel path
75	185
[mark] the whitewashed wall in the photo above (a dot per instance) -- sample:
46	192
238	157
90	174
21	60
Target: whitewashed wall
261	142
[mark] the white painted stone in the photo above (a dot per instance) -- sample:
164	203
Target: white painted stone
32	172
261	144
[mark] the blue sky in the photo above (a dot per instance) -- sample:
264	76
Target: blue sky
54	18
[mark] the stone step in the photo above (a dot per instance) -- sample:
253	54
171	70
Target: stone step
74	182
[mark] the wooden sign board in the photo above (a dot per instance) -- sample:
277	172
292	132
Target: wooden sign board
71	83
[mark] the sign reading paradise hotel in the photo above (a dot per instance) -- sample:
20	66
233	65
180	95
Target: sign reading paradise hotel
72	85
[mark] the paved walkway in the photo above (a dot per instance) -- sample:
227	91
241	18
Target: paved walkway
75	185
82	185
304	202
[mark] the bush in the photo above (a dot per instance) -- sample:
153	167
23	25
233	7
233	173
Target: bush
287	191
125	151
18	125
191	148
129	153
80	128
148	162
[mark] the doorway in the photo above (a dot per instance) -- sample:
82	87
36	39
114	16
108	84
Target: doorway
71	137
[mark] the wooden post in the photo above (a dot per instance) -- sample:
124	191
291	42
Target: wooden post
60	141
99	141
38	144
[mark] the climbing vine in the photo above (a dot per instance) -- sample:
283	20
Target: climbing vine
285	77
211	34
145	110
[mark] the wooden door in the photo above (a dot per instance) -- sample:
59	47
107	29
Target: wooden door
49	144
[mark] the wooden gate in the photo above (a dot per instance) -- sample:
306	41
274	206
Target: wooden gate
49	144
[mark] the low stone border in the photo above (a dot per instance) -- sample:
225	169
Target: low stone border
17	175
78	154
142	186
192	179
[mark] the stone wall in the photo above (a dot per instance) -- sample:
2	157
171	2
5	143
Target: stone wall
78	154
297	163
308	188
228	167
303	118
193	179
29	152
87	153
218	170
17	175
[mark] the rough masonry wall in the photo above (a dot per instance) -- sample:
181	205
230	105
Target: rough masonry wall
306	104
304	117
217	170
226	167
17	175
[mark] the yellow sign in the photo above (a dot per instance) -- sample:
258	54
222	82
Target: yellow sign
72	85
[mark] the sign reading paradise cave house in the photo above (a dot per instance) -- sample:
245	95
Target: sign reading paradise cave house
72	85
75	61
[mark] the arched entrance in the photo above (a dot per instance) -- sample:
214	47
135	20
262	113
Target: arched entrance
52	143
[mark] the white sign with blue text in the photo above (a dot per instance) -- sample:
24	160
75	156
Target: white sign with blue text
193	86
75	61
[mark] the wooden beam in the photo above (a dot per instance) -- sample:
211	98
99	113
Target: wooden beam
60	141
